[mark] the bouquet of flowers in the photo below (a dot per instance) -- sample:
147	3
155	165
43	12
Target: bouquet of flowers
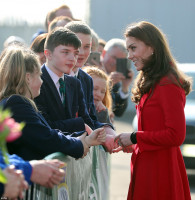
9	131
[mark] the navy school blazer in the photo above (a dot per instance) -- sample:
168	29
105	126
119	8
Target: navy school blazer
87	84
74	115
38	139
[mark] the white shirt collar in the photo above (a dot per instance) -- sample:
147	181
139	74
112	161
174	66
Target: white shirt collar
74	73
53	76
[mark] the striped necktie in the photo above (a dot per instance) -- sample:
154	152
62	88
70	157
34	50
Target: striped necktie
62	89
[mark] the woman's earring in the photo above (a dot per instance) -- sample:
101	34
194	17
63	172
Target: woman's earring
152	53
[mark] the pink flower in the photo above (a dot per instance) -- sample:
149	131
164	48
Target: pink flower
13	127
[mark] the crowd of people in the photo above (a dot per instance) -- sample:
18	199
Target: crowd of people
67	88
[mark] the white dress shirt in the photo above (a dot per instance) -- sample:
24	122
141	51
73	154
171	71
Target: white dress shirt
55	79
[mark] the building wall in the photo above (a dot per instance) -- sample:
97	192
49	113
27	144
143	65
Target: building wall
176	18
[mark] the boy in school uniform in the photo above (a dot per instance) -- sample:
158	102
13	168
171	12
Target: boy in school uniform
61	99
83	32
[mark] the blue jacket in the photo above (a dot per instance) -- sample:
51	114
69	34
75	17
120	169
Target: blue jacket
38	139
19	163
58	116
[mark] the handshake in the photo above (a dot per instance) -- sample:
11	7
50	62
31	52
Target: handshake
106	136
114	144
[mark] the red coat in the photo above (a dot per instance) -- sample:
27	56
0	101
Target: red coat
157	167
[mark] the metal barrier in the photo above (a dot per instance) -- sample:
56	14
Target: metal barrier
84	179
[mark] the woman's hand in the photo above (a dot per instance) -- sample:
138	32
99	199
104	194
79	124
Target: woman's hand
127	149
124	139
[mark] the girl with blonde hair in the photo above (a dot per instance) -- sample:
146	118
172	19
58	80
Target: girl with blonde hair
101	93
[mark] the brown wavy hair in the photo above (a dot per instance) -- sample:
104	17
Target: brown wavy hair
158	65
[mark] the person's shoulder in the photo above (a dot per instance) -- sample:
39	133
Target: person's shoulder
17	99
43	70
71	79
84	74
167	80
45	74
170	84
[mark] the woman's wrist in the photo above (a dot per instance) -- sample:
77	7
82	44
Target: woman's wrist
133	138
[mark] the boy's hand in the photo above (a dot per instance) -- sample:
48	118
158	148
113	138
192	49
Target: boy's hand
85	145
97	137
88	129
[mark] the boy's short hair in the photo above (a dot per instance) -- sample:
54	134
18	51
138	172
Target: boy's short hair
79	27
61	36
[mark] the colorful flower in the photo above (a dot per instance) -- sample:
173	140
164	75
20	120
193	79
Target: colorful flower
9	131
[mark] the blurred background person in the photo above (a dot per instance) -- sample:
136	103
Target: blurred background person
14	40
113	50
38	47
101	45
95	56
60	21
63	10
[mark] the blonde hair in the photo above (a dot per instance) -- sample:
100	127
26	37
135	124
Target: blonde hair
95	71
15	62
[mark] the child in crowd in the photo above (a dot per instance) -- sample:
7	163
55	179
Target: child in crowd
83	32
65	108
38	47
101	93
20	83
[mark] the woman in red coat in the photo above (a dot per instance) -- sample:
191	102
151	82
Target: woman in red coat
157	167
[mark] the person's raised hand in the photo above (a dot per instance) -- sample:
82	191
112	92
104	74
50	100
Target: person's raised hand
116	77
127	81
99	106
